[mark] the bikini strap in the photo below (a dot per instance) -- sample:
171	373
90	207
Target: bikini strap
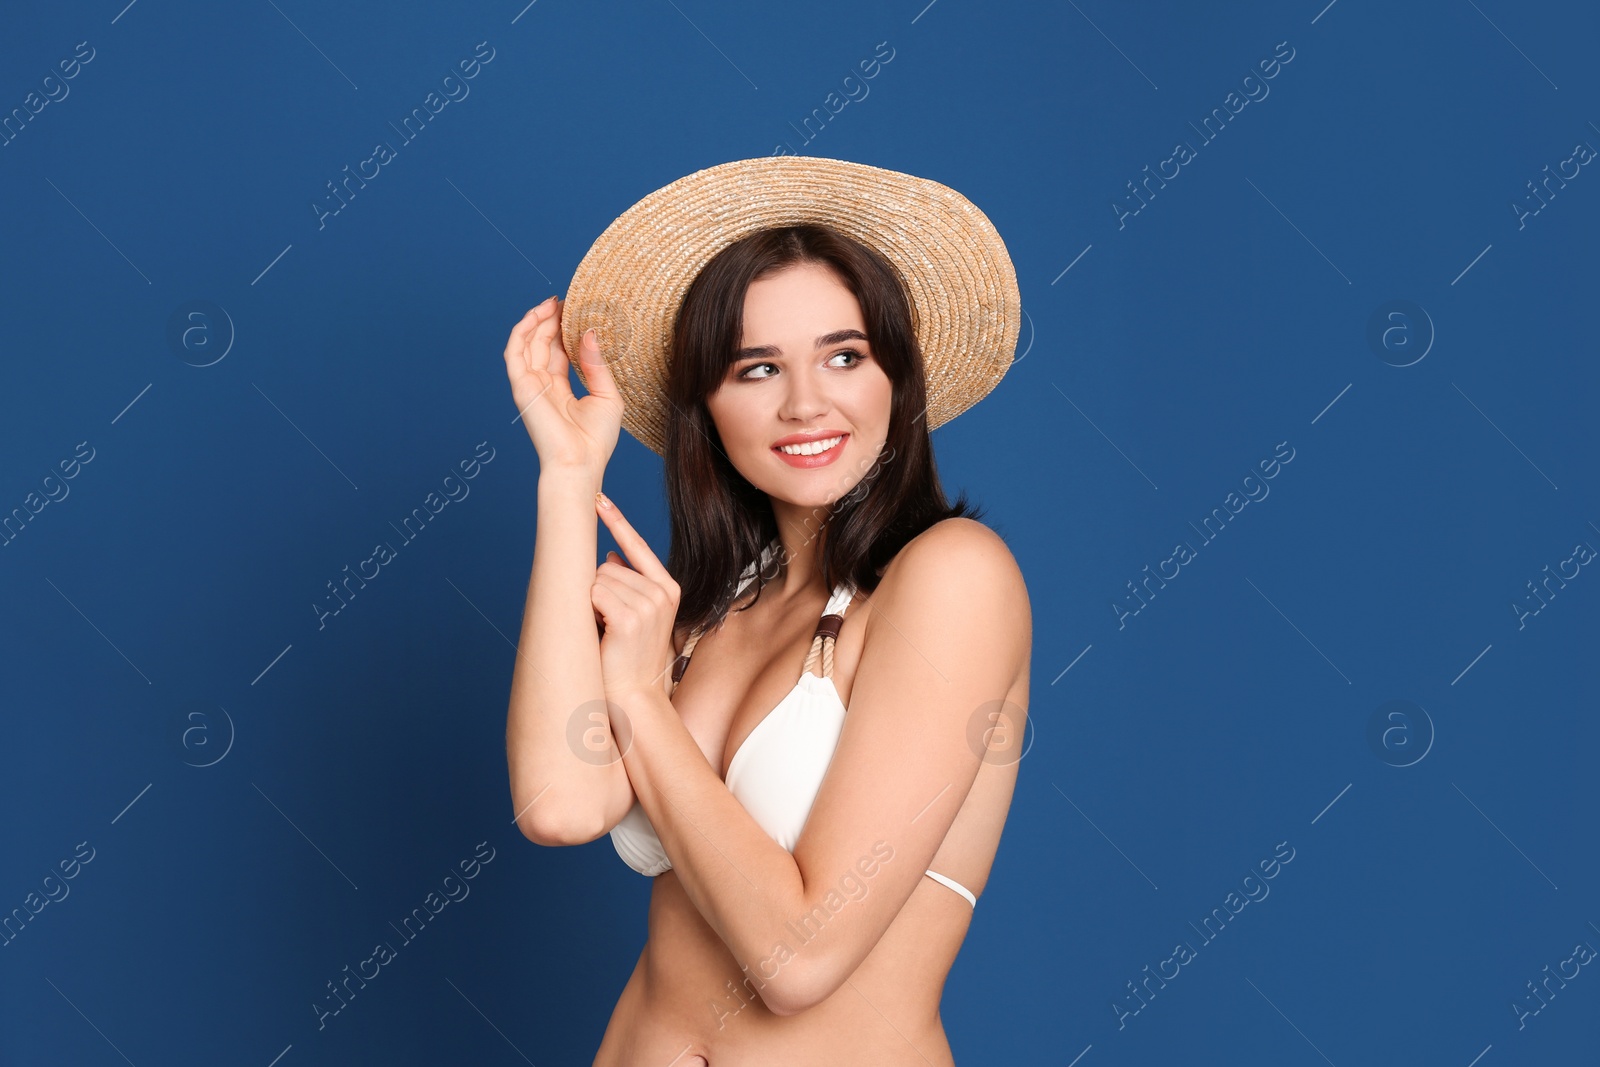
681	664
822	643
828	627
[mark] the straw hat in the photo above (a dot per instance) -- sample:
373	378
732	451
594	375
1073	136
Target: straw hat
955	268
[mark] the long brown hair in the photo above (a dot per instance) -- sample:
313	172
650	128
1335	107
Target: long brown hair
719	521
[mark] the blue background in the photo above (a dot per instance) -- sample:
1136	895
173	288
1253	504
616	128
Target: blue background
264	797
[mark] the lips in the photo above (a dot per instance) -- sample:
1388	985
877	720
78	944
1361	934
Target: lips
820	459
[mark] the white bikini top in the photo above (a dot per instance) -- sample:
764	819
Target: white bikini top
778	769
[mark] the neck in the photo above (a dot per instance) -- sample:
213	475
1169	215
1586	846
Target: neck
801	538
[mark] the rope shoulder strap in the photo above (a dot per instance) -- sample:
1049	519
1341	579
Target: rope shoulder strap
750	574
682	662
828	627
822	642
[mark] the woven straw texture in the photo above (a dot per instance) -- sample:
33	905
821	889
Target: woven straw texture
956	270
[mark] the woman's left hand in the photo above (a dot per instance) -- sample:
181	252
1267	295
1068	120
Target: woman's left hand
638	606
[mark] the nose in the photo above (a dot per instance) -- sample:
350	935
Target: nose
804	399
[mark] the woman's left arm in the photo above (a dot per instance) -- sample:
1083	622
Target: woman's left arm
947	630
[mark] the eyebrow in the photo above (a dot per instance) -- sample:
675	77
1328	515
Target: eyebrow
769	351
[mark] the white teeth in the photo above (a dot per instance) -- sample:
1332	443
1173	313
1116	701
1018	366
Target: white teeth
810	448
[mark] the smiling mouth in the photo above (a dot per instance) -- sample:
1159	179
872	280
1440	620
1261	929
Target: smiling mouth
810	455
811	448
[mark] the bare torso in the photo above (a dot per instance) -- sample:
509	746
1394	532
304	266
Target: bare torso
687	1003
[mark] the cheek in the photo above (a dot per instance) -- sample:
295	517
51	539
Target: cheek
875	401
737	425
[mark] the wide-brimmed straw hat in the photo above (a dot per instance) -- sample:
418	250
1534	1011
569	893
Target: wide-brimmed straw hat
963	288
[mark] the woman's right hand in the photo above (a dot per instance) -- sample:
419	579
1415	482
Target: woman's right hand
567	431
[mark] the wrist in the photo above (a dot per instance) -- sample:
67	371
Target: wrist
570	479
644	724
638	700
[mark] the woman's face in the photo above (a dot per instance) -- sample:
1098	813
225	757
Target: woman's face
805	372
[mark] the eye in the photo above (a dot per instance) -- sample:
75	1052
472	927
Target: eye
746	376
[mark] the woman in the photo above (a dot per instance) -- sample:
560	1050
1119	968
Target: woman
773	329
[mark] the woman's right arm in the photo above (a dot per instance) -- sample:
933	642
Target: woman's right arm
568	783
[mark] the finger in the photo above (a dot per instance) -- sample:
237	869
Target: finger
522	365
617	560
624	577
547	350
596	372
612	596
633	546
517	343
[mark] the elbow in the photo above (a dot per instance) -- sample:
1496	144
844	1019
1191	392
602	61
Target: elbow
540	833
795	988
548	825
784	999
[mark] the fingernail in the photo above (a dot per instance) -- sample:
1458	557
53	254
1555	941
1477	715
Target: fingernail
604	500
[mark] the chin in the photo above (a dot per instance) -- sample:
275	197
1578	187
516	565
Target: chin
818	487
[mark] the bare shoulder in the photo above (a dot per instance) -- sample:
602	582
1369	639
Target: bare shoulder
961	564
952	595
952	544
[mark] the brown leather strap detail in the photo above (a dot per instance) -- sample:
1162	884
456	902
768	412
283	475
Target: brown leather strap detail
678	666
829	626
